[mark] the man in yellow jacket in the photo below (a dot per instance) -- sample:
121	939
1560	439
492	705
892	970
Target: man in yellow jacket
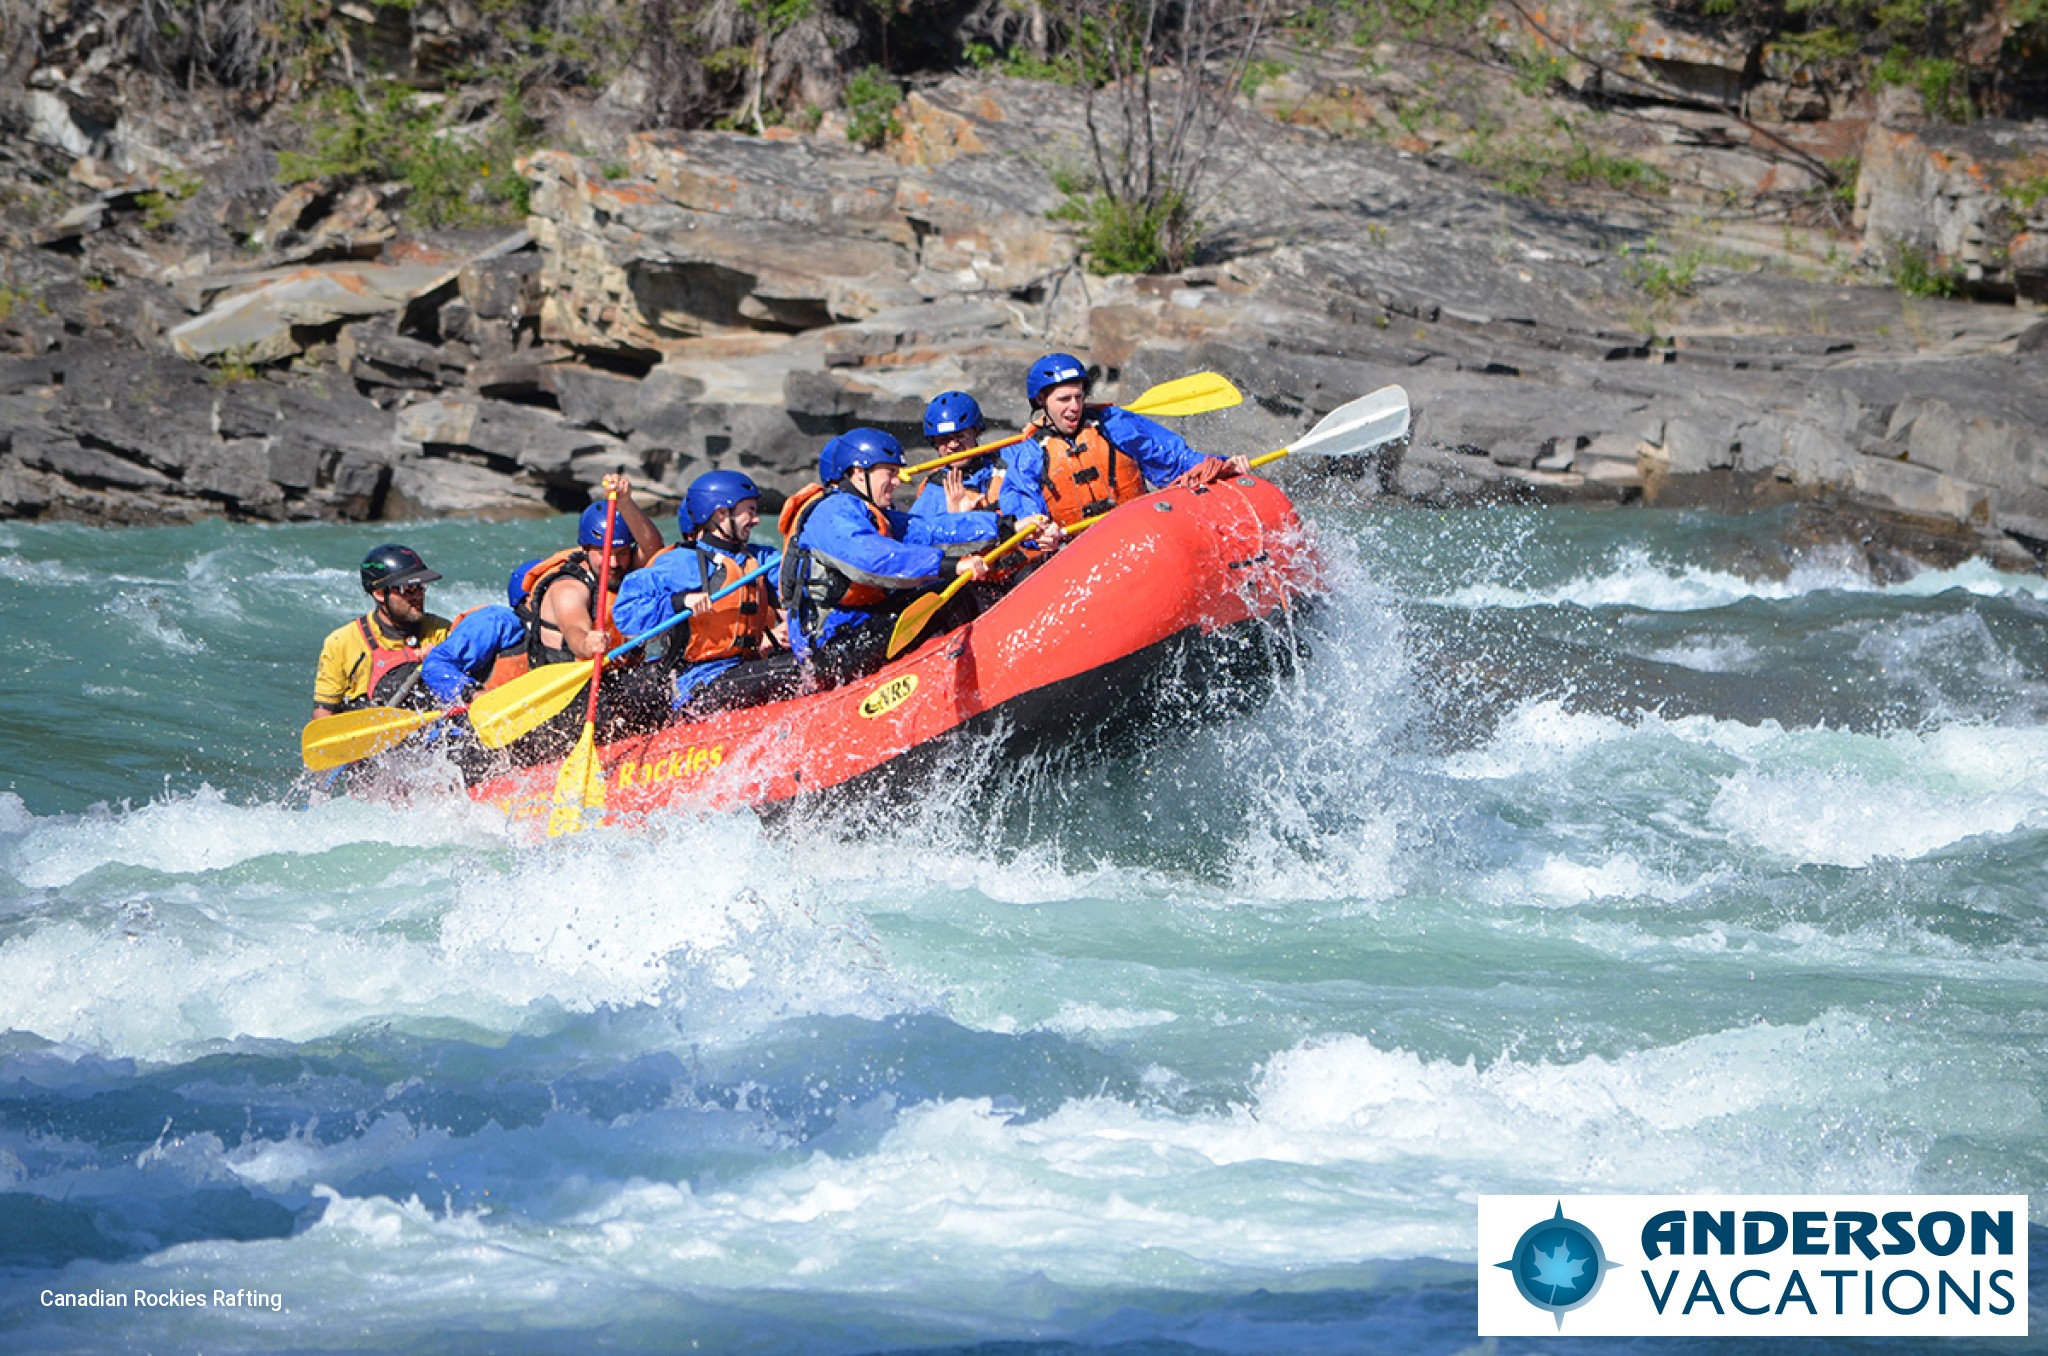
375	659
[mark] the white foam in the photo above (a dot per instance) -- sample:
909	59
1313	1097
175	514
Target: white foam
45	573
1559	881
1750	1108
14	814
1104	1192
1545	738
1083	1019
612	918
150	615
1721	654
1634	577
1976	576
1847	800
203	831
431	913
1813	795
1841	818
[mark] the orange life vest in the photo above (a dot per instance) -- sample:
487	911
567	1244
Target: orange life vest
791	517
737	624
572	563
1087	474
505	666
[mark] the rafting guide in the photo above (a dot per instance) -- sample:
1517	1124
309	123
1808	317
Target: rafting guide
1769	1266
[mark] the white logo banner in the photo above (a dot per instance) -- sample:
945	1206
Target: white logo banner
1772	1266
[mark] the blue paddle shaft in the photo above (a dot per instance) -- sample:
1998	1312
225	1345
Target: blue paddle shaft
749	577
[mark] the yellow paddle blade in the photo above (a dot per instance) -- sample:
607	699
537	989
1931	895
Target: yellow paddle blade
579	790
521	706
1197	394
352	736
910	623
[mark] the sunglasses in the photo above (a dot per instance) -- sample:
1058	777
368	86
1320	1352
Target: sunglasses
409	590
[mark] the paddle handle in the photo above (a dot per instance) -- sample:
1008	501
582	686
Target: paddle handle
460	708
1009	544
910	623
967	454
601	613
961	581
650	633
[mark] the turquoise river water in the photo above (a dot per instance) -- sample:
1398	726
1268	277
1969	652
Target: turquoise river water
1590	852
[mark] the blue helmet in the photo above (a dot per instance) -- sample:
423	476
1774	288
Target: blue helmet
1050	371
590	529
856	448
952	412
711	492
515	587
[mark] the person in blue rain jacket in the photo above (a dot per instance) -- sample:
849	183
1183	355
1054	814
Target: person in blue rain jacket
953	423
1083	460
854	560
487	645
732	651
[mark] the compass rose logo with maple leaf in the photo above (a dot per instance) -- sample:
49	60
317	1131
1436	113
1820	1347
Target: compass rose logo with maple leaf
1557	1264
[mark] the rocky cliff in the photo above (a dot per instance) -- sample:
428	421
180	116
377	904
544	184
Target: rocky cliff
677	301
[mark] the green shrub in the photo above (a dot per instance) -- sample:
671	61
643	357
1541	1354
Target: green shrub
1590	165
158	210
1847	169
1537	73
1132	236
1259	73
1826	43
2027	192
235	365
1529	167
1663	277
1943	84
454	177
1914	274
160	205
1416	18
871	104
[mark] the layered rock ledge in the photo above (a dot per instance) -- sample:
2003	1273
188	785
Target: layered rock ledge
714	299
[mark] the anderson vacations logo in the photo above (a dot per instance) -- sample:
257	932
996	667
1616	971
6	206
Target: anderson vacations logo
1772	1266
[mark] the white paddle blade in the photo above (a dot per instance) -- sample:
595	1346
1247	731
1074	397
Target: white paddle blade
1357	426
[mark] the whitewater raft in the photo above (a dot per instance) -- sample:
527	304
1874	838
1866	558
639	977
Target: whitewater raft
1175	608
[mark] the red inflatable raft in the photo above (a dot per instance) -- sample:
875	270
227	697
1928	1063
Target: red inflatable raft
1174	607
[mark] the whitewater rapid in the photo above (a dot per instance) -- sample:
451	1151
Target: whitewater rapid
1575	860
